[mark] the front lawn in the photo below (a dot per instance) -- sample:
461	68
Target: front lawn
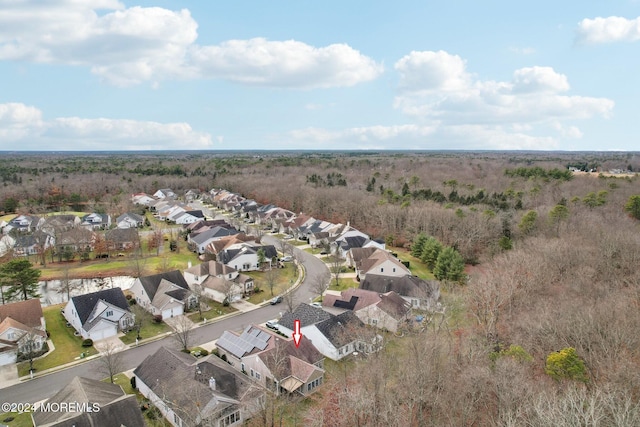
216	309
149	329
17	419
67	346
286	277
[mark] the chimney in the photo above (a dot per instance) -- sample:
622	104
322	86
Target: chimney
212	383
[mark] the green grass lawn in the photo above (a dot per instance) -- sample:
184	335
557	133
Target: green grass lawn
216	310
17	420
296	242
286	277
417	267
121	266
67	346
313	251
149	329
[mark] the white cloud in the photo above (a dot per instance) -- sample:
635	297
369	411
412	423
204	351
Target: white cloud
453	108
431	71
522	50
608	30
533	96
22	127
284	63
127	46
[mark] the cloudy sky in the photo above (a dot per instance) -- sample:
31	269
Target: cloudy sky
468	74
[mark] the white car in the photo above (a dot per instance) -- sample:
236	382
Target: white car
287	258
272	324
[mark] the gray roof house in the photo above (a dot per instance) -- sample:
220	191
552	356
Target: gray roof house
333	336
210	392
166	294
420	293
130	220
100	314
102	404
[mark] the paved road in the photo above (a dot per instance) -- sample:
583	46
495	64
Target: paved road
46	386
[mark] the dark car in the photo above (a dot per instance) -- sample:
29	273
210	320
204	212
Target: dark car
276	300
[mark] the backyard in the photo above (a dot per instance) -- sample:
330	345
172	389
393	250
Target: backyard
283	279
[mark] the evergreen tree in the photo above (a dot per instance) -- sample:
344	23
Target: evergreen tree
418	243
20	280
430	251
633	206
449	266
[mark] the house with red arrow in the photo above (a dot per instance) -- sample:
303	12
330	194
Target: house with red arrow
273	360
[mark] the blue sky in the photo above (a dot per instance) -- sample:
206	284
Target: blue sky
490	75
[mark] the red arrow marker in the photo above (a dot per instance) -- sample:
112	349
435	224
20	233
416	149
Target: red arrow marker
297	335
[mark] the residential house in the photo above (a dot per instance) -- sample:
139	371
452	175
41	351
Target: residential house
352	238
192	194
206	224
189	217
228	242
356	255
55	224
96	221
32	244
22	328
246	257
335	336
165	193
386	311
382	263
210	392
23	224
100	314
7	242
422	294
76	239
218	281
164	294
202	240
122	239
98	404
142	199
130	220
273	361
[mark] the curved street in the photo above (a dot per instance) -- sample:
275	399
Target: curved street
47	385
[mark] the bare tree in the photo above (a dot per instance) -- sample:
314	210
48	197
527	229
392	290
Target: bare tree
139	314
290	300
271	278
320	284
67	285
183	327
336	265
111	361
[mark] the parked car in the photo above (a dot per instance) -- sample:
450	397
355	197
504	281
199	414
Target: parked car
316	304
276	300
272	323
286	258
288	237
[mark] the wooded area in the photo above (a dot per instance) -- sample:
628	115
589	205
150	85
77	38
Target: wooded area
544	332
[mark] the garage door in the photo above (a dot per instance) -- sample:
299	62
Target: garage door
7	358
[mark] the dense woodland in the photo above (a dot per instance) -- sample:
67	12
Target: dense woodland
545	330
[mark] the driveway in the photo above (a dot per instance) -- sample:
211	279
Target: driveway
110	344
179	322
9	374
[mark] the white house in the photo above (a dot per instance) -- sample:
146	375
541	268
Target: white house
22	329
165	294
382	263
96	221
100	314
333	336
130	220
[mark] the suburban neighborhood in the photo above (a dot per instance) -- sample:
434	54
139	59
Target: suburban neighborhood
242	373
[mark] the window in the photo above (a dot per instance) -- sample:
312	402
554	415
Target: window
394	269
381	269
258	375
11	336
109	313
252	372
